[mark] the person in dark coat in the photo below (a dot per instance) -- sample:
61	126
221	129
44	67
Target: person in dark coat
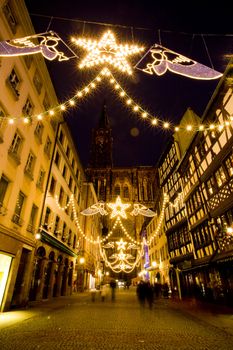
141	293
113	288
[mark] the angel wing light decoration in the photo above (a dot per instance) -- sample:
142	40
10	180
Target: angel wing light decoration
141	209
159	59
44	43
95	209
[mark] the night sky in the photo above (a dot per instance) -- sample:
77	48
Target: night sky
177	26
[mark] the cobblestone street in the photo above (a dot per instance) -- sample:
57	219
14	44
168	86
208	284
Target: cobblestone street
79	323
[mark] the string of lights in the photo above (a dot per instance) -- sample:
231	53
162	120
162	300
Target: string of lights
129	102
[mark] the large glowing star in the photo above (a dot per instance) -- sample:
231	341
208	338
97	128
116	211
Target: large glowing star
118	208
107	51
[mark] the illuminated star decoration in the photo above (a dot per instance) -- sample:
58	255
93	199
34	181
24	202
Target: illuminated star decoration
121	244
118	208
107	51
159	59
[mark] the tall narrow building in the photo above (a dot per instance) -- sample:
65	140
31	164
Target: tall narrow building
101	149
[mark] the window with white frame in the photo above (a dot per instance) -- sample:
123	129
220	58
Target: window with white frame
41	177
30	164
32	219
39	130
14	82
18	208
16	145
28	108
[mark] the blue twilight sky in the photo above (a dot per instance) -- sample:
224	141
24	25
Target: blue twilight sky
196	29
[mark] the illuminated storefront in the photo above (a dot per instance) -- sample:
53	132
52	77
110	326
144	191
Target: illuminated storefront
5	263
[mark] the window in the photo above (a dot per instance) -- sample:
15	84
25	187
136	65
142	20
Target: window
16	146
117	190
14	82
57	159
47	218
32	219
56	227
52	185
61	137
61	196
37	82
27	108
3	188
126	192
39	131
2	123
229	165
211	187
10	17
46	102
18	209
47	147
30	164
220	176
64	171
64	232
68	151
70	183
41	177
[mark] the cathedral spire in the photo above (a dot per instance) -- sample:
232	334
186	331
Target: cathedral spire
101	147
104	121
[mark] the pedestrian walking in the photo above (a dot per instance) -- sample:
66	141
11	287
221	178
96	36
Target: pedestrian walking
141	293
149	294
113	288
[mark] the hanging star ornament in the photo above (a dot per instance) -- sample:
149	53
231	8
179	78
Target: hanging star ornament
118	208
107	51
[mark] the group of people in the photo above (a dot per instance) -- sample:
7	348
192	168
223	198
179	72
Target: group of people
146	292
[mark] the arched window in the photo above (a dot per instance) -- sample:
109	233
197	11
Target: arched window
126	192
117	190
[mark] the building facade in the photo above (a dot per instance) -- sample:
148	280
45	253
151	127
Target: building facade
198	220
26	143
43	187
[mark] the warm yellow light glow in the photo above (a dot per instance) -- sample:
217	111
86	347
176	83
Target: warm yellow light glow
107	51
82	260
37	236
118	208
5	263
